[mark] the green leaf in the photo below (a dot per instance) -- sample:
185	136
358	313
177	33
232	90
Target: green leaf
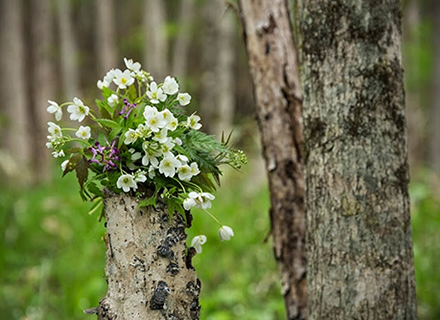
105	111
96	206
148	202
109	123
82	170
71	165
93	188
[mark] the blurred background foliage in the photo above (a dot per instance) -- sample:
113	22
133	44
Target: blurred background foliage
52	255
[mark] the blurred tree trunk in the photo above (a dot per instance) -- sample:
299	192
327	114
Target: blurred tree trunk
41	83
414	110
217	98
156	39
359	238
434	150
15	133
105	44
68	50
225	73
149	271
182	43
273	65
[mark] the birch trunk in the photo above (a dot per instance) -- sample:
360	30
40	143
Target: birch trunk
359	238
273	65
149	271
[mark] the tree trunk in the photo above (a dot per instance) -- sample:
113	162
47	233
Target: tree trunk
149	271
13	95
359	238
273	65
156	39
434	137
105	35
68	51
41	83
182	42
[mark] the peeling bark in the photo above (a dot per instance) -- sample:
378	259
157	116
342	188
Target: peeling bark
359	239
273	65
149	271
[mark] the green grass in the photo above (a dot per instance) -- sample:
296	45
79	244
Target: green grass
52	256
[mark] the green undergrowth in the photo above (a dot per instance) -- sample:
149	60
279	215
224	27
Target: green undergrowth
52	255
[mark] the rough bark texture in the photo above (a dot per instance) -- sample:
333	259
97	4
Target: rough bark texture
146	258
360	259
273	65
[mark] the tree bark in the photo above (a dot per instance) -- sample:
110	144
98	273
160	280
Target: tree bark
149	271
273	65
359	238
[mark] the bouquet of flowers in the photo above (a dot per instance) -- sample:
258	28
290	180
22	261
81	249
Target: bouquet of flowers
140	141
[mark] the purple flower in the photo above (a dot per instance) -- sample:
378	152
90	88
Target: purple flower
107	156
127	108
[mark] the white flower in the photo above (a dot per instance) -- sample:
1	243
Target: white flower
139	176
193	122
123	79
156	94
55	108
161	136
113	100
109	77
188	203
58	154
54	130
134	155
194	169
168	166
178	141
171	121
131	136
183	159
170	85
225	233
197	242
64	165
202	200
167	146
78	110
125	182
184	172
184	98
151	154
154	119
133	66
83	132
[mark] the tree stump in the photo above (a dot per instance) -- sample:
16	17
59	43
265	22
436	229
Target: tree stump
149	271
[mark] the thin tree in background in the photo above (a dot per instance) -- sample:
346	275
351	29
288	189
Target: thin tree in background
105	49
273	65
359	238
156	40
15	141
182	42
41	83
68	49
434	150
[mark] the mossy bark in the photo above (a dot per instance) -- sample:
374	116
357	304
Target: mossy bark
359	239
149	271
273	65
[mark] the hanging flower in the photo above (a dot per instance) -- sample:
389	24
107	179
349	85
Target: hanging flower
54	108
197	243
225	233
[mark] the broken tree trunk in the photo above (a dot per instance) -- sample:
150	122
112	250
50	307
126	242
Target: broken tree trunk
149	271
